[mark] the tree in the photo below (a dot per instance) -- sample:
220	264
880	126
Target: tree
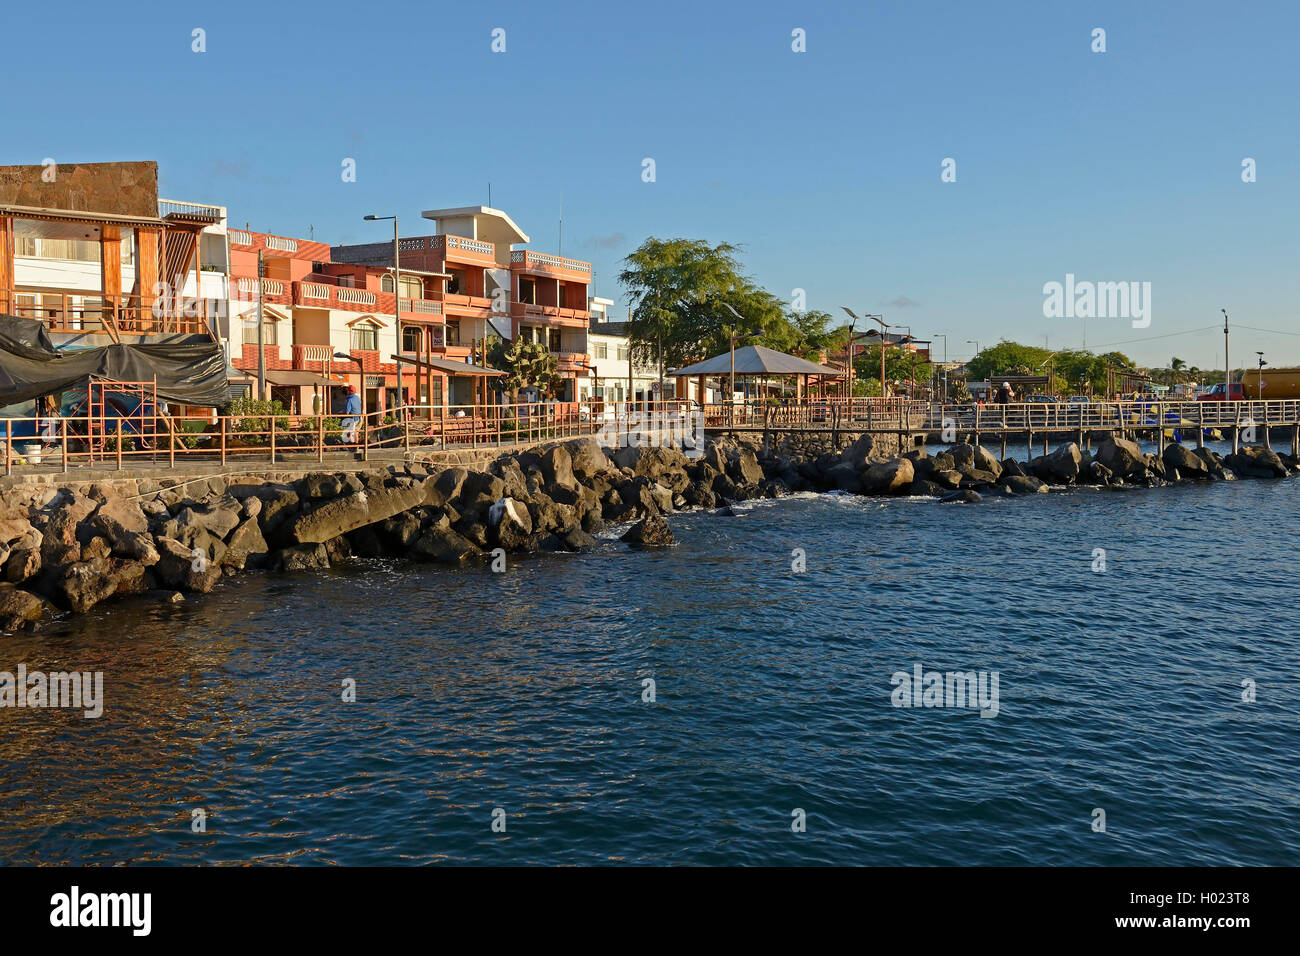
677	290
526	364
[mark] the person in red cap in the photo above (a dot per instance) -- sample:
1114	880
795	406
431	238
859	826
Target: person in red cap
352	423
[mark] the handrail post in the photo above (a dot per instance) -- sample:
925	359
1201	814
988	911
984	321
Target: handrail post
63	425
9	444
119	444
224	419
320	435
272	439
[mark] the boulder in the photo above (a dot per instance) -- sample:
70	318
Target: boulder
1024	484
1122	458
1254	461
587	458
650	532
557	467
82	585
922	488
509	523
858	453
444	545
181	567
301	557
846	477
246	548
888	477
1061	467
19	608
950	478
967	496
356	511
984	460
320	486
1186	463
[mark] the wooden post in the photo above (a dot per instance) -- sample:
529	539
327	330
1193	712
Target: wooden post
1236	434
1200	424
1295	441
977	424
171	444
273	439
9	444
223	439
320	434
63	426
119	444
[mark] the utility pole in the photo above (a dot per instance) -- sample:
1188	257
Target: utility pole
261	332
1227	369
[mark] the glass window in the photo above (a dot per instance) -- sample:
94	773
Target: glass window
270	334
411	336
602	350
365	338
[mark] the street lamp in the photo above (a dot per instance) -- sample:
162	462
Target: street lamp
1262	363
397	306
879	320
942	335
731	382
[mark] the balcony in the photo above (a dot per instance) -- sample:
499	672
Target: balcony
543	264
274	291
550	315
573	361
422	308
319	292
474	252
95	313
311	358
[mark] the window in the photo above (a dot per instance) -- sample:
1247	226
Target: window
412	286
453	333
365	338
602	350
528	291
622	353
269	330
554	343
411	336
76	250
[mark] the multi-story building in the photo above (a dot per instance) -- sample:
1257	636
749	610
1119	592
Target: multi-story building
484	287
91	252
325	325
616	377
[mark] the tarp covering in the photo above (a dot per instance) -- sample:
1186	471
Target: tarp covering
30	366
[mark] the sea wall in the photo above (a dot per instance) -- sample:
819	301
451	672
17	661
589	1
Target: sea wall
67	547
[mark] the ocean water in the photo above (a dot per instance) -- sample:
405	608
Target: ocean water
523	692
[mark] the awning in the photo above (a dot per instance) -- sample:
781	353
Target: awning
755	360
448	367
296	378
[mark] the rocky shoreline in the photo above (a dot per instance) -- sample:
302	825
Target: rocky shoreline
68	549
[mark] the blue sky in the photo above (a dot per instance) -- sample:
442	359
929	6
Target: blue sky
824	165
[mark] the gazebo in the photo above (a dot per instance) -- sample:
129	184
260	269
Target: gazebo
756	362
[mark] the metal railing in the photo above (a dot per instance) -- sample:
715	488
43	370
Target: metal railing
164	441
159	440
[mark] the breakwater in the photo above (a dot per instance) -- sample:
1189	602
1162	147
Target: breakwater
70	547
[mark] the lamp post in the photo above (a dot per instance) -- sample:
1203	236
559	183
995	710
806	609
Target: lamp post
731	382
942	335
397	307
879	320
1262	363
1227	369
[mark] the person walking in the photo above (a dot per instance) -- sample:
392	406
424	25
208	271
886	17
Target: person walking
351	424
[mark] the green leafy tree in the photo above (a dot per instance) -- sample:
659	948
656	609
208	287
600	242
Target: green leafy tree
678	291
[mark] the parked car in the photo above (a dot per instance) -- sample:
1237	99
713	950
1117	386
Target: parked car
1080	400
1042	399
1216	394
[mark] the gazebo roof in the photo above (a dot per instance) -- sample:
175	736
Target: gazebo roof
756	360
